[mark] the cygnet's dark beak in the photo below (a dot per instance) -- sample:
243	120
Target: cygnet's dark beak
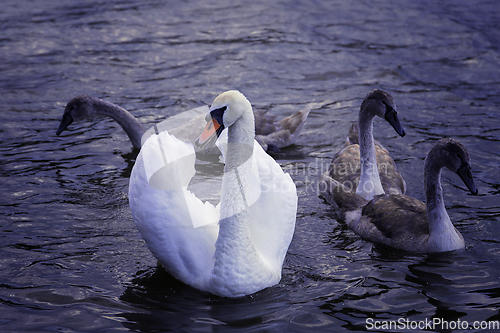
466	175
65	122
392	117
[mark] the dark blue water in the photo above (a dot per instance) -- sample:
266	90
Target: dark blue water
71	259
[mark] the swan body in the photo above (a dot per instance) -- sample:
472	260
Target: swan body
271	134
235	248
401	221
364	164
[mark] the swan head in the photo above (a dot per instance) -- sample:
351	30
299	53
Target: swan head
229	107
381	104
78	108
226	109
453	155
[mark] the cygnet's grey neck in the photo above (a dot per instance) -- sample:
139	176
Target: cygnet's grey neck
369	180
443	236
436	211
126	120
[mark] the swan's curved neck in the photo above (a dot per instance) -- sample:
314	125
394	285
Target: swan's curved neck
126	120
436	210
369	180
237	179
235	253
442	234
240	140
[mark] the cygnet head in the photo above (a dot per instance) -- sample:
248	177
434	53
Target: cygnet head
453	155
379	103
78	108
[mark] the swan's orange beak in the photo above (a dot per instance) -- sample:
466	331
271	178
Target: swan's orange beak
207	138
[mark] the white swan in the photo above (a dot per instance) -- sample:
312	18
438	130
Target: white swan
270	133
236	248
404	222
368	166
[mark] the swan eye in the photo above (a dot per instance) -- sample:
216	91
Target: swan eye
463	161
389	107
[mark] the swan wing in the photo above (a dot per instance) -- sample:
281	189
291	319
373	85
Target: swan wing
184	126
273	214
178	228
345	168
396	220
391	179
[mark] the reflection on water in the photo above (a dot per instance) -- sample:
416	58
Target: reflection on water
166	302
71	258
